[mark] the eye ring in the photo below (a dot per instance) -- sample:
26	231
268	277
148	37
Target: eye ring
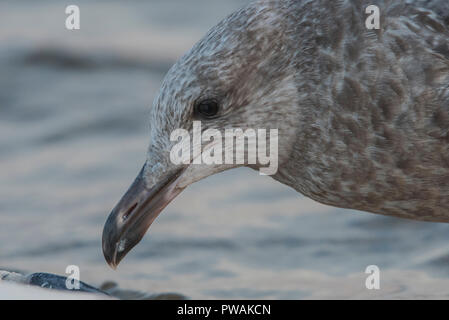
207	109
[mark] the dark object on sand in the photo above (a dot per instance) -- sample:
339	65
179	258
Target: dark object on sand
108	288
48	281
54	281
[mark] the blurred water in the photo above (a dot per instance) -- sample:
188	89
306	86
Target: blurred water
73	135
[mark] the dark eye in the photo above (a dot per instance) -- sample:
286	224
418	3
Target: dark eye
207	109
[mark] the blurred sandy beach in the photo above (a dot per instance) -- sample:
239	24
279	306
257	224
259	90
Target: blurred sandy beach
73	135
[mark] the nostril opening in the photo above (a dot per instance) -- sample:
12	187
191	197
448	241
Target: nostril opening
129	211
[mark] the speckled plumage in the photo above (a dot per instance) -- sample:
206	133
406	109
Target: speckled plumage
363	114
374	127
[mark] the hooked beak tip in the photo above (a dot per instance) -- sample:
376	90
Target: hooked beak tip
133	215
111	243
113	265
110	255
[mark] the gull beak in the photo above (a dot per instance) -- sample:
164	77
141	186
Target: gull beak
134	214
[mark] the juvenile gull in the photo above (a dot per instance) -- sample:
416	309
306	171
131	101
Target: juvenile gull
363	115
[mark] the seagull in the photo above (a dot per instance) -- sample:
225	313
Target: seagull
362	112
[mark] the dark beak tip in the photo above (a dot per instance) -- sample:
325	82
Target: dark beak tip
111	260
133	215
109	253
113	265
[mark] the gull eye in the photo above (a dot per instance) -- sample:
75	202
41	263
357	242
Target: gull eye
207	109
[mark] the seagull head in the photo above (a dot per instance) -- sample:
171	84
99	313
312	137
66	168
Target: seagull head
238	76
